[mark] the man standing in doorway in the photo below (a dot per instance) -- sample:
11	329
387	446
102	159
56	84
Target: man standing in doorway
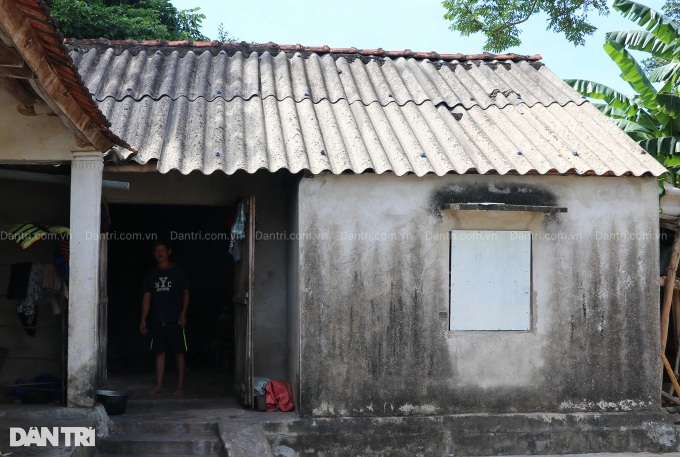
165	303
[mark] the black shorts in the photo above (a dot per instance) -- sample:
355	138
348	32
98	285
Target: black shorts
167	335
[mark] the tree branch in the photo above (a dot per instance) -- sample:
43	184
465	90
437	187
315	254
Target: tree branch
531	12
512	24
572	9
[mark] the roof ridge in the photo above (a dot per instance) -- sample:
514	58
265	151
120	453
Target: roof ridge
276	48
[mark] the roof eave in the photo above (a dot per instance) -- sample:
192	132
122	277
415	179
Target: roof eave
49	82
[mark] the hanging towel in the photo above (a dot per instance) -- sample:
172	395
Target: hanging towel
238	232
27	309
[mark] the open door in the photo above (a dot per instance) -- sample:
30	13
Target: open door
243	301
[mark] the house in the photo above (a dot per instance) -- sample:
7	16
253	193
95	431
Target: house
50	129
444	253
443	248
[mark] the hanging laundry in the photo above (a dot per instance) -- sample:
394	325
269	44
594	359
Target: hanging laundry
235	248
238	232
60	260
27	309
53	288
27	234
18	280
239	227
51	280
64	247
29	323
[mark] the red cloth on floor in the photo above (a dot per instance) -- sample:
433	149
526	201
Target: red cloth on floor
279	396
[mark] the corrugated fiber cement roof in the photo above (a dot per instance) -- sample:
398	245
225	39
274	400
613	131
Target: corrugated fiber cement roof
231	106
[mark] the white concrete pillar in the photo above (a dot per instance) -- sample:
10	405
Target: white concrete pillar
86	191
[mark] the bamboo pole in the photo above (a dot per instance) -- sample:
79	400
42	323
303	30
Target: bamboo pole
669	370
676	323
668	291
675	308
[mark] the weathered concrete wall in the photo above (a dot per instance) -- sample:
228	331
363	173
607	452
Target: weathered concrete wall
374	297
42	204
477	434
270	268
32	138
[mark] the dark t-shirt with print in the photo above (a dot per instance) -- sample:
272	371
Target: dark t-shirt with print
167	291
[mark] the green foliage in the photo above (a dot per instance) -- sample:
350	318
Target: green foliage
499	19
126	19
671	10
613	99
223	35
652	116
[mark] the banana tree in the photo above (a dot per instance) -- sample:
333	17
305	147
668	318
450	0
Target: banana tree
651	116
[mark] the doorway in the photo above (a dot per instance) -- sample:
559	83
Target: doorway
199	239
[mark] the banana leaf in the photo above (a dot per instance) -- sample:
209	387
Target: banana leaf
648	120
672	161
610	111
632	73
655	22
641	40
630	127
666	72
670	103
599	91
661	147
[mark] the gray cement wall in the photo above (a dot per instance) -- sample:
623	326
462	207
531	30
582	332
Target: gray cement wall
31	139
374	297
41	204
516	434
270	268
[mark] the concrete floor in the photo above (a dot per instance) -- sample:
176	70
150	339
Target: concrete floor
208	395
199	385
208	398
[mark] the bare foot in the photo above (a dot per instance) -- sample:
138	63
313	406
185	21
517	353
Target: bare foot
180	391
155	389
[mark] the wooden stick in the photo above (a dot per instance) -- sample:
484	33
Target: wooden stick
676	316
668	291
674	380
662	279
676	322
670	398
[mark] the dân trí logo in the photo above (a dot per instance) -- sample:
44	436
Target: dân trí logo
52	436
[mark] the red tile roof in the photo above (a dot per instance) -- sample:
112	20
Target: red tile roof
53	51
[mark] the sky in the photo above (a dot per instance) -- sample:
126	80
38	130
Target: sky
417	25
